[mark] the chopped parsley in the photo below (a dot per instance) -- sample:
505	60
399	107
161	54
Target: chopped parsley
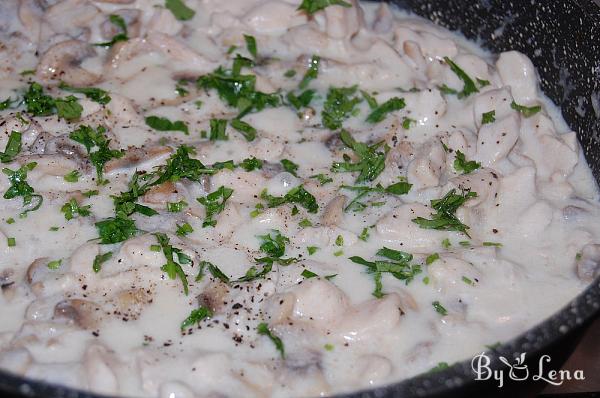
488	117
54	264
196	316
251	164
68	108
301	100
72	176
176	207
243	128
492	244
371	101
311	73
371	161
20	188
439	308
469	85
119	22
101	259
526	111
164	124
378	114
273	244
297	195
468	281
312	6
13	147
445	218
72	209
263	330
312	250
290	167
251	45
396	263
175	258
308	274
91	139
237	90
364	235
218	130
432	258
216	272
339	241
322	178
116	229
95	94
304	223
185	229
180	11
462	166
36	102
6	103
339	105
407	122
214	203
11	242
399	188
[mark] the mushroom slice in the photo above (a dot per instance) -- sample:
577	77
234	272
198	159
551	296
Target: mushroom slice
588	263
135	157
62	61
334	211
82	313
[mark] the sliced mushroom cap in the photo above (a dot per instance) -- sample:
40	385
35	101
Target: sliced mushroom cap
161	194
135	157
588	263
37	271
82	313
213	296
62	62
270	169
63	145
334	211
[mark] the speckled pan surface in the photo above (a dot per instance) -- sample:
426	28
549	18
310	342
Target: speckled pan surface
562	39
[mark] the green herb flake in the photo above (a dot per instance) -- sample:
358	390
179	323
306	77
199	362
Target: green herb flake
177	206
371	161
339	105
68	108
196	316
339	241
305	223
431	258
445	218
322	178
180	11
328	347
439	308
488	117
312	250
13	147
526	111
468	281
312	6
263	330
95	94
115	230
426	280
251	164
175	257
72	176
10	220
251	45
469	85
297	195
243	128
290	167
371	101
311	73
407	122
119	22
94	138
289	73
54	264
214	203
308	274
11	242
461	165
364	235
72	209
20	188
184	229
495	244
446	243
101	259
164	124
439	367
391	105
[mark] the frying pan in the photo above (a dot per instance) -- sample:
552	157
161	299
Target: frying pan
562	38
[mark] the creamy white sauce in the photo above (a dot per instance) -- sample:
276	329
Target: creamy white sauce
117	331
